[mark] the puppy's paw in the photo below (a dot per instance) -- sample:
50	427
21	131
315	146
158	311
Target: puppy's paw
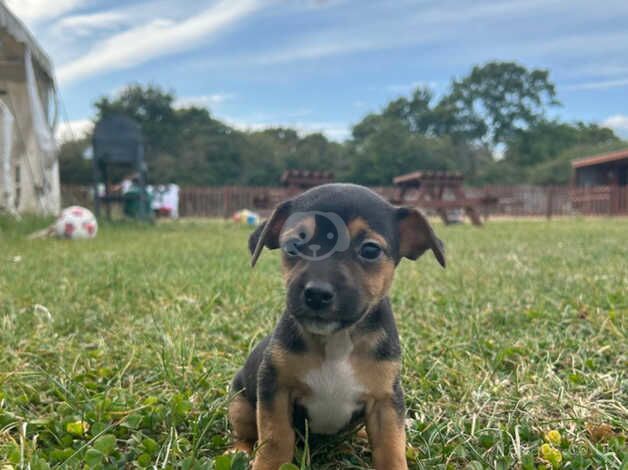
361	434
241	446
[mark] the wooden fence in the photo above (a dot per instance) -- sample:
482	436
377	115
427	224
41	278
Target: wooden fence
525	200
610	200
224	201
515	201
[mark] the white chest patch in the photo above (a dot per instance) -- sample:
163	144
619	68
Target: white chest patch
335	391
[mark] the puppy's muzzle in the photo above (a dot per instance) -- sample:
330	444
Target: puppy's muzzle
318	295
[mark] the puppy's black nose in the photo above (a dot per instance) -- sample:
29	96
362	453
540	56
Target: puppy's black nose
318	295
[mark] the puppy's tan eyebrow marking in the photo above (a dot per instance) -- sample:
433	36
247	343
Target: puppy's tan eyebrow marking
359	227
356	226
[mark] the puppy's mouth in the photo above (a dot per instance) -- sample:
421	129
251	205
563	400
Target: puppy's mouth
324	324
320	327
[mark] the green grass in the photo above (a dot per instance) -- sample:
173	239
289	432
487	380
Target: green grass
118	352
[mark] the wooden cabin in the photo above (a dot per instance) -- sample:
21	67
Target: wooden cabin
609	169
600	183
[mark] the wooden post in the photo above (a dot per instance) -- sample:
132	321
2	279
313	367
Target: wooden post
614	199
550	203
226	201
107	192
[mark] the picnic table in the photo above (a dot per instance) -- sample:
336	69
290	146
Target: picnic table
297	181
438	190
293	182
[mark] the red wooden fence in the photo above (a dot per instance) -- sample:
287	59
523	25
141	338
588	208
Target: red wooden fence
526	200
610	200
522	200
218	202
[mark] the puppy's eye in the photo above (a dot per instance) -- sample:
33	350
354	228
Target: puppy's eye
370	251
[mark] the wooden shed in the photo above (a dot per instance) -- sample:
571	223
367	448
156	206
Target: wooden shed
600	183
609	169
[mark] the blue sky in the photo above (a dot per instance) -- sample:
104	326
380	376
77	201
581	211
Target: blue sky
320	65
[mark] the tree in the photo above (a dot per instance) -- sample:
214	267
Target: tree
547	139
152	108
392	150
542	153
498	105
74	168
558	170
191	147
495	101
410	134
416	114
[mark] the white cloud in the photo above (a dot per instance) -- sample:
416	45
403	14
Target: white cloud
203	101
82	25
415	26
324	48
37	10
73	130
336	131
471	32
598	85
618	122
297	113
600	68
157	38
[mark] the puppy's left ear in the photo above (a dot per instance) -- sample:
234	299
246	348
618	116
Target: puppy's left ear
267	234
416	235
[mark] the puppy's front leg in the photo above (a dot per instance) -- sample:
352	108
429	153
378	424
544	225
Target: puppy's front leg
387	435
274	422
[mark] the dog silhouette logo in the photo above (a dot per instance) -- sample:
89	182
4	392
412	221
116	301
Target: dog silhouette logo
314	235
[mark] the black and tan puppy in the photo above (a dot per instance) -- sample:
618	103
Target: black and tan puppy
334	357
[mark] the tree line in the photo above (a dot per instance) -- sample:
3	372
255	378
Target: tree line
492	125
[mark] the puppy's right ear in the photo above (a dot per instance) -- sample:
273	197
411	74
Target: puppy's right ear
267	234
416	235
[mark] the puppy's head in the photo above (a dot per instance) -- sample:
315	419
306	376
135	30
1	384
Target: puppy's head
340	245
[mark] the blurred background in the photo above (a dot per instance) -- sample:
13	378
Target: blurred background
234	93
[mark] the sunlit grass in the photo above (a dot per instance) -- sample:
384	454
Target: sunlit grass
118	352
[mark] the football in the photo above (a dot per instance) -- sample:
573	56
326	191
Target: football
76	223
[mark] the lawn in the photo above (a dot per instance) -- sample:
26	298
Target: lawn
118	352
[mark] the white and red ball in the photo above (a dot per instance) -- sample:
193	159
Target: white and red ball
76	223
